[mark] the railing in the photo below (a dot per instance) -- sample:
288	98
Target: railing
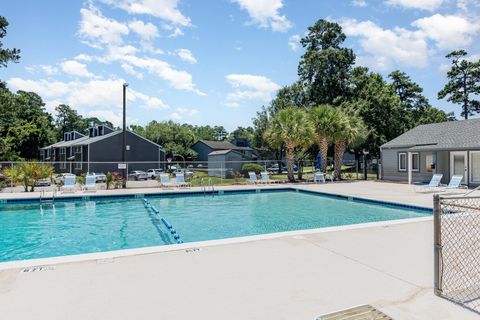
457	250
215	172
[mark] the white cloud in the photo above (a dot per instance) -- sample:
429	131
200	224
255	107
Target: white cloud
294	42
232	105
186	55
92	93
176	33
448	31
83	57
146	31
388	47
359	3
96	27
247	86
266	13
181	113
131	71
181	80
429	5
163	9
75	68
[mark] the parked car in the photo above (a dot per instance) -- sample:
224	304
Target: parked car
274	168
43	183
59	179
99	177
154	173
138	175
186	172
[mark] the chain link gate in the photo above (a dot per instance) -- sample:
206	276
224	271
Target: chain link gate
457	250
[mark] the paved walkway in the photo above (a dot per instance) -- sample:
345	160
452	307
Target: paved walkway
291	277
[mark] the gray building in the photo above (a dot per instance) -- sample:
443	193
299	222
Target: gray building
100	150
205	147
450	148
225	163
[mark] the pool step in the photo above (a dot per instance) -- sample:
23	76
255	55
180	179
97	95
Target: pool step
364	312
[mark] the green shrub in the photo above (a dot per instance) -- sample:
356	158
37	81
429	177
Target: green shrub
252	167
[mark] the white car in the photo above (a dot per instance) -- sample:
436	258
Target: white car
59	179
154	173
99	177
138	175
186	172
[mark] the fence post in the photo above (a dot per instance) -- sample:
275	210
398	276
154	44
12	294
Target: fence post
437	245
11	178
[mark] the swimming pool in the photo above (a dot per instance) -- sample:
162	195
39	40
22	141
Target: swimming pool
32	230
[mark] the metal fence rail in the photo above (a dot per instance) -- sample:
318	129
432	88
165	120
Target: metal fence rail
457	250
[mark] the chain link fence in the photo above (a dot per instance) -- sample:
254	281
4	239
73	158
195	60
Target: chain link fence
457	250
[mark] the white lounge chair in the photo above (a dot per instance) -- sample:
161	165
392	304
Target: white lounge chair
253	178
455	184
165	181
69	184
90	184
180	180
319	177
432	186
266	178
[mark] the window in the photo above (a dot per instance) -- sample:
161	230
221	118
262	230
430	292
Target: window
416	162
78	165
475	166
78	149
402	161
429	163
62	151
63	165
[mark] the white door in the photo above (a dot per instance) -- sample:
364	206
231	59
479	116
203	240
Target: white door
458	165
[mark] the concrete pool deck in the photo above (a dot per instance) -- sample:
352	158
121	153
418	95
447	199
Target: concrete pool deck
290	277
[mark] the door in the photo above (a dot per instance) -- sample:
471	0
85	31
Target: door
458	165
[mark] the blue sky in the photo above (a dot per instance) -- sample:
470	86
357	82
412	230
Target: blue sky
216	61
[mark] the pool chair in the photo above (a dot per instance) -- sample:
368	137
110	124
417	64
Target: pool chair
266	178
432	186
253	178
319	177
90	184
455	184
165	181
180	180
69	184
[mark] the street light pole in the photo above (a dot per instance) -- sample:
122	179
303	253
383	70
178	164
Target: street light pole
124	134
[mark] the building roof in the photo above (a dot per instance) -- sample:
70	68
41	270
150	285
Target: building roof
223	152
223	145
86	140
452	135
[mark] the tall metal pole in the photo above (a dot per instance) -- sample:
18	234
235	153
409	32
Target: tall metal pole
437	245
124	134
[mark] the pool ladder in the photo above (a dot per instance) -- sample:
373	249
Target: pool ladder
43	193
207	187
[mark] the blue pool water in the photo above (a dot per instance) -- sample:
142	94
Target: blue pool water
31	230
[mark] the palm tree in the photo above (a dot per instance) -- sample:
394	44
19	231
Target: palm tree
349	130
323	118
292	128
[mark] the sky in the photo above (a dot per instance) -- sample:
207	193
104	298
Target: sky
216	62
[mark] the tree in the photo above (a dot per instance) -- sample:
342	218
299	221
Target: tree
292	128
349	131
242	133
289	95
323	119
326	66
7	55
67	120
463	84
416	107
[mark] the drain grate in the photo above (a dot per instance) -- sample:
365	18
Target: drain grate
365	312
38	269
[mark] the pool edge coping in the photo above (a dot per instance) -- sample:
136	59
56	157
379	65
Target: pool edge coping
28	263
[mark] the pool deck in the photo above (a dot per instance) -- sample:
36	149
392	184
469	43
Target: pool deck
294	276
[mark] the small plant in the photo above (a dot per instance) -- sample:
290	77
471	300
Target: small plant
252	167
109	180
28	174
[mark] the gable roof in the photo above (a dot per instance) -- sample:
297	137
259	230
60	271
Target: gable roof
222	145
223	152
451	135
